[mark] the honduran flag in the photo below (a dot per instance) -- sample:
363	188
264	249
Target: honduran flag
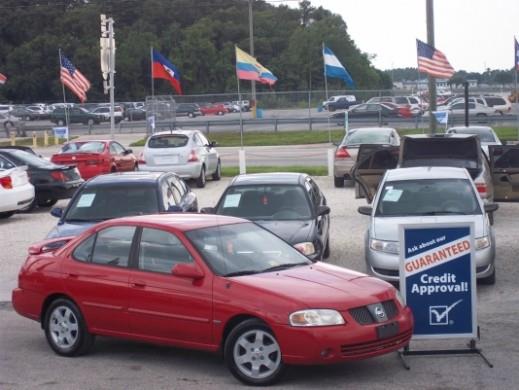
163	69
248	68
333	67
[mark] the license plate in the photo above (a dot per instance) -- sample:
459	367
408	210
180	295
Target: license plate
166	159
387	330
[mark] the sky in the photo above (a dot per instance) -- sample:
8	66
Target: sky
473	34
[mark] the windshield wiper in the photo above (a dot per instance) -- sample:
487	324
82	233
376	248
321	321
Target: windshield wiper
242	273
85	220
283	266
444	213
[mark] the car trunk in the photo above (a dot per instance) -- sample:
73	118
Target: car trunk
79	159
441	151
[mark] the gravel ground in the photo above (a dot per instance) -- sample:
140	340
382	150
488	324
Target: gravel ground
27	362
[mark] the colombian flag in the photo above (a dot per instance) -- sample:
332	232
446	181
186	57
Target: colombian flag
248	68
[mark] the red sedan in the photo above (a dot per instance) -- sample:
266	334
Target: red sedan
213	109
215	283
94	158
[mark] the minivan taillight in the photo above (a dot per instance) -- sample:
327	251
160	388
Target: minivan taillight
6	182
342	153
482	189
192	156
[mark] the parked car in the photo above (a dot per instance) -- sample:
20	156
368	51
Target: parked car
121	195
94	158
475	109
339	102
51	182
498	104
212	283
188	109
104	113
244	105
373	110
414	103
290	205
5	108
9	123
231	107
486	135
24	113
75	115
135	114
40	111
213	109
16	192
346	152
188	153
433	195
27	149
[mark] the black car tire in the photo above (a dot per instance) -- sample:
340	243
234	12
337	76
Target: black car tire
90	122
489	280
190	114
47	202
232	345
200	181
217	175
6	214
28	118
220	112
8	125
331	108
81	340
326	252
338	181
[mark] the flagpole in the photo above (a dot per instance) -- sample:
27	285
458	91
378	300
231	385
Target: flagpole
64	97
152	79
516	65
241	117
326	93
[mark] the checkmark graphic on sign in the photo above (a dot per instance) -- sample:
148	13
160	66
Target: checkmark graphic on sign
439	315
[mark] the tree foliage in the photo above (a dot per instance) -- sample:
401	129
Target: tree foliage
198	36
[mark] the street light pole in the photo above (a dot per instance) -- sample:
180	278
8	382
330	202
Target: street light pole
107	44
432	80
251	39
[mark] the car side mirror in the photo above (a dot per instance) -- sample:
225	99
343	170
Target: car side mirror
323	210
174	209
212	144
491	207
365	210
128	151
208	210
187	270
57	212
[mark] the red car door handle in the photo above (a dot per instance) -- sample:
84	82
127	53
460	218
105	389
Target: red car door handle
72	275
139	284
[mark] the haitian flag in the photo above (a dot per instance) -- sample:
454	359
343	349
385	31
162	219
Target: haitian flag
163	69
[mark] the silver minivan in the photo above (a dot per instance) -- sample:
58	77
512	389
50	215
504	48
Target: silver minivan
187	153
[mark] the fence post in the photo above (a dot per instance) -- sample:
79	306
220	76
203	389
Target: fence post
207	127
89	129
13	138
276	125
309	111
34	140
45	138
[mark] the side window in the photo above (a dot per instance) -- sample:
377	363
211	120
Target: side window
159	251
177	187
113	245
197	140
203	139
83	251
5	164
115	148
315	194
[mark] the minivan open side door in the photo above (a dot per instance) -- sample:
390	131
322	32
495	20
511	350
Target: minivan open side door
504	165
372	163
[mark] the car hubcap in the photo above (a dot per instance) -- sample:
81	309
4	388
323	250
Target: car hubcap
64	327
257	354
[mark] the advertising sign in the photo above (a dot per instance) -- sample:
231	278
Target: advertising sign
60	132
438	279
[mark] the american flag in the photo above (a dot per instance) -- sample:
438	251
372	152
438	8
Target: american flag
3	78
433	62
73	79
516	56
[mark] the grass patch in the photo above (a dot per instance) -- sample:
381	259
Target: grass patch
271	138
39	141
311	170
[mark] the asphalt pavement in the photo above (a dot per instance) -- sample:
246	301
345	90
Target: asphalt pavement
26	362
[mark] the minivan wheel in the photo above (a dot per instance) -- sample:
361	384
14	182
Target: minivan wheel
338	181
253	354
65	329
200	181
218	173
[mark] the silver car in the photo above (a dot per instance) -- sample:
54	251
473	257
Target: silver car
426	195
487	136
187	153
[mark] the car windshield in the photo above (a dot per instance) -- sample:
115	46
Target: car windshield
484	135
105	202
266	202
366	137
427	197
26	158
168	141
244	248
83	147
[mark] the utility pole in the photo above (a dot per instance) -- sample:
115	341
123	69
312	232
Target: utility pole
251	39
107	44
432	80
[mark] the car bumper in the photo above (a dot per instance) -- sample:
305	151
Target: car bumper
333	344
185	171
59	191
16	198
385	265
27	303
343	168
88	172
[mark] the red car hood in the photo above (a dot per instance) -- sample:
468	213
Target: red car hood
320	285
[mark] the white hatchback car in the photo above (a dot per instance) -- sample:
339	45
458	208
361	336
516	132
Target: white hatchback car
187	153
426	195
16	193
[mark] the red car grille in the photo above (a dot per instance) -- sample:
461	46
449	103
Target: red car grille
364	317
349	350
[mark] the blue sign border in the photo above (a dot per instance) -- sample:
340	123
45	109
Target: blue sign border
473	286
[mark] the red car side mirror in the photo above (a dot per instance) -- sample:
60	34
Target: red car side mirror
186	270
